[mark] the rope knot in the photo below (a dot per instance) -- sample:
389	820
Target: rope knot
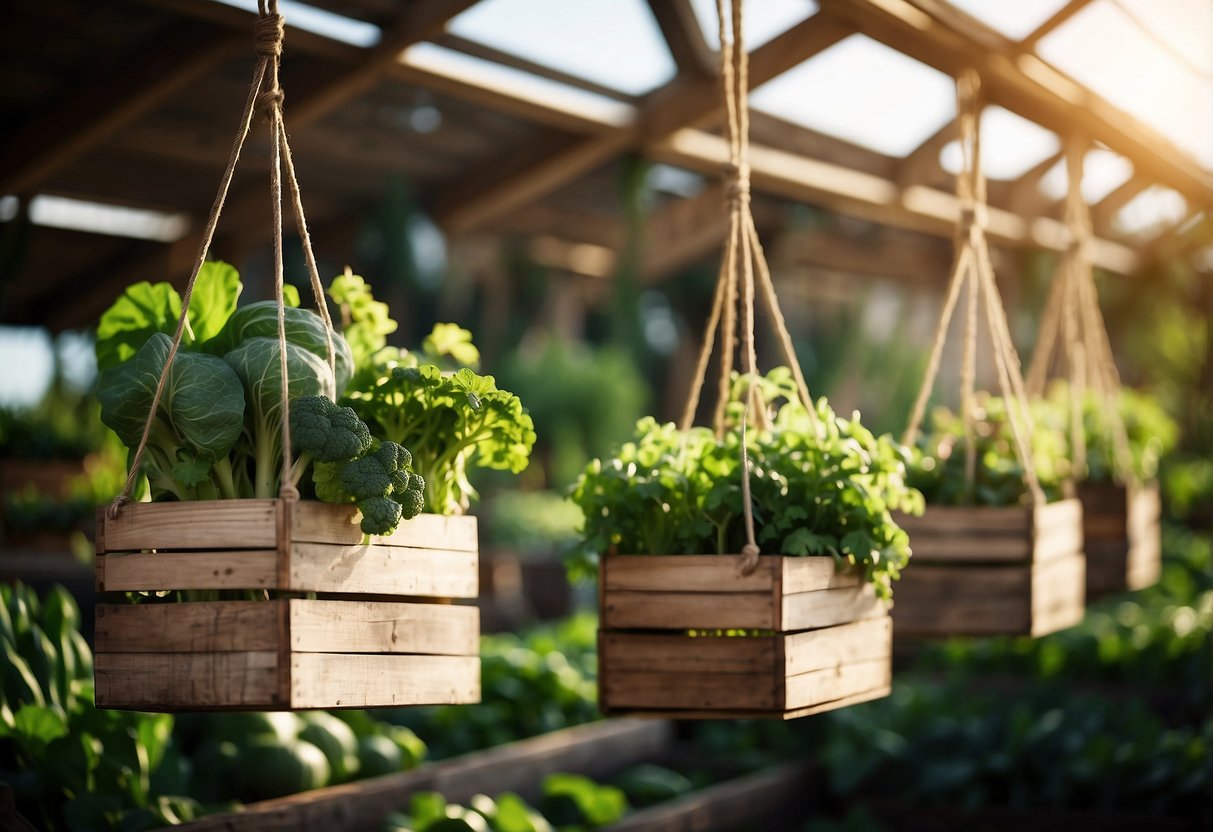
112	510
268	33
289	493
269	101
737	183
749	559
971	221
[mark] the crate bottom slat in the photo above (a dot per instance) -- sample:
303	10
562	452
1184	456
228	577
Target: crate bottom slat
254	680
674	713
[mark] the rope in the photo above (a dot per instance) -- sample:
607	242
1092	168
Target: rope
971	264
265	95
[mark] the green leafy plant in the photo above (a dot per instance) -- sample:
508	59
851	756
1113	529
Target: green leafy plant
937	467
816	490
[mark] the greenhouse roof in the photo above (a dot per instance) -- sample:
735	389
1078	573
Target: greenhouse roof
509	117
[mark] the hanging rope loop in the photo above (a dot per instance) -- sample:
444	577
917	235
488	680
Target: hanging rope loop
737	184
268	34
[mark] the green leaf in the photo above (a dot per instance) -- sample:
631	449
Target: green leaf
426	808
142	310
36	726
216	290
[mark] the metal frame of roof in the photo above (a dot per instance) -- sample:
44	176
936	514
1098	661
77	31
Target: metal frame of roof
555	141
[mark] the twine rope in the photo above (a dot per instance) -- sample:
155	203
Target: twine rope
265	95
971	265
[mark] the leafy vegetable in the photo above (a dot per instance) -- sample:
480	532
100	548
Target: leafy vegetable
827	490
938	461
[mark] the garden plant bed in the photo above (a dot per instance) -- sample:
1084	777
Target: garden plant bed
1002	571
815	639
1122	536
898	816
349	649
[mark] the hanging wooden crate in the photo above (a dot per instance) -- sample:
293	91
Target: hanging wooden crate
992	571
824	639
1122	536
382	631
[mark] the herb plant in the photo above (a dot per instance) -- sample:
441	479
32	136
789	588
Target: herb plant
825	490
938	460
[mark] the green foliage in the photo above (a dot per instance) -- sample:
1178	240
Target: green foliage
366	322
571	799
377	479
531	522
453	421
824	490
217	431
938	460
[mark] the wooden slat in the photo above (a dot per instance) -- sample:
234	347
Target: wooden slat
962	615
835	646
931	584
687	610
970	549
211	626
687	573
212	524
187	681
334	680
775	797
1057	530
685	713
809	574
326	523
383	570
383	627
686	654
597	750
655	690
965	520
820	686
229	569
826	607
684	36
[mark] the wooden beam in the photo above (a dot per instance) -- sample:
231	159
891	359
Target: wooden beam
1103	213
922	165
885	252
859	194
684	37
1023	196
504	184
107	101
682	232
934	33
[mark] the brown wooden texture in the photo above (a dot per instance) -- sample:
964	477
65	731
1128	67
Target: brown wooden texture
285	653
1122	534
826	638
598	750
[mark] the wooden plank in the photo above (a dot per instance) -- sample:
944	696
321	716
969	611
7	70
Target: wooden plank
231	569
686	654
927	583
820	686
689	610
187	681
965	520
970	549
963	616
687	573
209	524
836	646
383	570
1062	513
808	610
655	690
314	522
202	627
383	627
336	680
684	36
684	713
1059	539
1059	583
775	797
809	574
597	750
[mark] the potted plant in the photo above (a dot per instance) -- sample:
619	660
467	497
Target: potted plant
682	632
990	556
218	529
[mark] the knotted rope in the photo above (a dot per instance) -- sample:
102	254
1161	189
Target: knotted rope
1074	333
735	284
265	95
971	265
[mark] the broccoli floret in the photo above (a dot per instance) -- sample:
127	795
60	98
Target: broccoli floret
375	474
328	432
411	504
380	515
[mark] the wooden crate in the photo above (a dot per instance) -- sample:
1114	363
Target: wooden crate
1122	536
381	633
992	571
827	640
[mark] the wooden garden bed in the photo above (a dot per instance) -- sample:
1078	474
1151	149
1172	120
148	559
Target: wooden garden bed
360	645
817	639
992	571
1122	536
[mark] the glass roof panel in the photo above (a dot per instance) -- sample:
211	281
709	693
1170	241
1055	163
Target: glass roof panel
1151	210
1185	26
1010	145
320	21
864	92
1103	172
764	19
1140	75
615	43
1016	20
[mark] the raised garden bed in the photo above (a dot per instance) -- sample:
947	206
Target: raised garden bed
1001	570
1122	536
359	646
805	638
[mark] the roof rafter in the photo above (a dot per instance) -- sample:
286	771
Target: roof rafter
684	37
